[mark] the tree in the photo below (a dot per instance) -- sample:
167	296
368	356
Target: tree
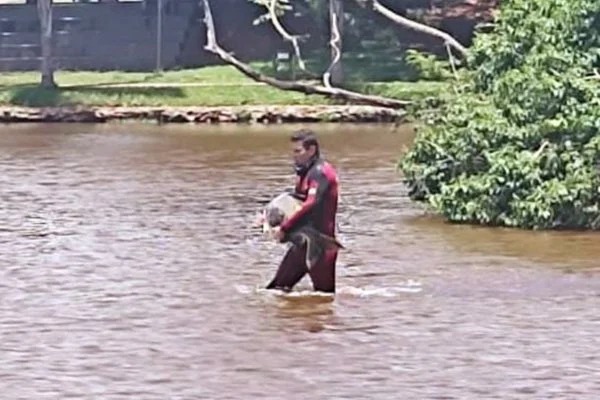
276	8
213	46
44	8
519	145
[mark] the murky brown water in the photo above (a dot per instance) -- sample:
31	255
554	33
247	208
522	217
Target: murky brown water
129	270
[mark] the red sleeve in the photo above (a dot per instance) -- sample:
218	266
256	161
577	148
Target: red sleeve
317	188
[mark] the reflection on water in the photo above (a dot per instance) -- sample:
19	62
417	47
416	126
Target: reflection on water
130	270
550	248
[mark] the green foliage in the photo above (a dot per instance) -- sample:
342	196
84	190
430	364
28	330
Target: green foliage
519	144
428	66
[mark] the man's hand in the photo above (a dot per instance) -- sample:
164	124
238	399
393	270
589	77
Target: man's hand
278	234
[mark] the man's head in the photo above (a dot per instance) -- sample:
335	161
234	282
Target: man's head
305	146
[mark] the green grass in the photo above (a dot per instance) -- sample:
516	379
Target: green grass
216	86
147	96
214	75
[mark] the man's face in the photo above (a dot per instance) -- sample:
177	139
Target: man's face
300	154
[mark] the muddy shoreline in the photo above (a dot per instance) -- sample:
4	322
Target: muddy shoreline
202	115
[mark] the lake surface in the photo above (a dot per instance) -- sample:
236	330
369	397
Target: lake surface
130	270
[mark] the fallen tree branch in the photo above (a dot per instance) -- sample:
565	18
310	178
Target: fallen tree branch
419	27
213	47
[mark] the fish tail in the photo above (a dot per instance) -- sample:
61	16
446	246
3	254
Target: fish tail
330	241
326	240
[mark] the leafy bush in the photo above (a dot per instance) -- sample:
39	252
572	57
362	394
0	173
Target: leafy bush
518	144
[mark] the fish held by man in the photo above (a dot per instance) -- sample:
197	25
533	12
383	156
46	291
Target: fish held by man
282	207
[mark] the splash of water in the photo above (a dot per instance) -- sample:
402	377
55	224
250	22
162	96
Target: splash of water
410	287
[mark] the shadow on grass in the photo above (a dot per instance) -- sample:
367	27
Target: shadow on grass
8	85
36	96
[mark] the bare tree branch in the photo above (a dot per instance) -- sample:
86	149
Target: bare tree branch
213	47
335	42
285	34
541	149
595	75
451	59
417	26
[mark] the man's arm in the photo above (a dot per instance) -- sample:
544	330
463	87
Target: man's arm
317	187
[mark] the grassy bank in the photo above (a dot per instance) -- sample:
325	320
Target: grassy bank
209	86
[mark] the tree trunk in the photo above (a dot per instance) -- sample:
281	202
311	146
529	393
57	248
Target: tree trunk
47	68
336	23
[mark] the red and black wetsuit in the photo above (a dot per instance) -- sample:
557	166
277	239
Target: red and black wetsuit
318	186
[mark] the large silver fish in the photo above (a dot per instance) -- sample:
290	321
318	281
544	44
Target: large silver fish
282	207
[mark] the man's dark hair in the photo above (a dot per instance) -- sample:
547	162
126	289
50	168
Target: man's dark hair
308	138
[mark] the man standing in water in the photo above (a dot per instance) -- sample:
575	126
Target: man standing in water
317	186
